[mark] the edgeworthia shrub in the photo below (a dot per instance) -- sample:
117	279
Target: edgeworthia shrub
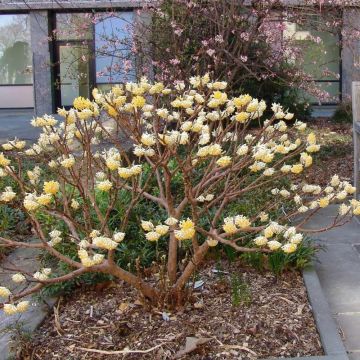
193	134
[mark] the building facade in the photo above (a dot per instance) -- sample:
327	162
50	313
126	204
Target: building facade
41	56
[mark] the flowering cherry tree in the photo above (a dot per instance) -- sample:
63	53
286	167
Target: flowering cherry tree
190	131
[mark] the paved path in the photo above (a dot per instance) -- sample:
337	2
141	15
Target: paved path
338	269
38	310
16	123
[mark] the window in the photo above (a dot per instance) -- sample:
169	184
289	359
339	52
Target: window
321	59
114	62
92	50
15	50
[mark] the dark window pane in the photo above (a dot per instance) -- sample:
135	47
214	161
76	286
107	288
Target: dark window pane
15	50
114	60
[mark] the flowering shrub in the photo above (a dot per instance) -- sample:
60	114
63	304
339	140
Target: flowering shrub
192	155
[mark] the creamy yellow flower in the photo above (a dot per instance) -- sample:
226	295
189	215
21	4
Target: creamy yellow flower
289	248
212	242
106	243
242	221
147	225
268	232
7	195
138	101
260	240
263	217
274	245
105	185
311	139
224	161
30	202
242	100
297	168
3	160
22	306
112	164
335	181
152	236
80	103
18	278
119	236
44	199
51	187
171	221
10	309
229	226
313	148
148	139
242	117
74	204
242	150
215	150
162	229
4	292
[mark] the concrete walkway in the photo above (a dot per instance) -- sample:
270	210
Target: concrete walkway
38	310
16	123
338	268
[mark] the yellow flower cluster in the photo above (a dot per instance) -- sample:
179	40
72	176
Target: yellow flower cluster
88	261
18	278
288	238
14	145
11	309
104	185
7	195
186	231
51	187
4	161
55	236
153	233
4	292
235	223
105	243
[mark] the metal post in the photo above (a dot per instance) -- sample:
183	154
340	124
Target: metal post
356	133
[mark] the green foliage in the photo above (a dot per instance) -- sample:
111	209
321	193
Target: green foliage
278	262
343	113
278	91
240	291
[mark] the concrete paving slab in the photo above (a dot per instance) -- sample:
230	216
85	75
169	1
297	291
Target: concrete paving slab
350	326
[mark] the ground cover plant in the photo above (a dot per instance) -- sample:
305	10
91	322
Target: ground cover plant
193	159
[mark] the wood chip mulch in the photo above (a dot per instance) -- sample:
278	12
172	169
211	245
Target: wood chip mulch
273	319
336	153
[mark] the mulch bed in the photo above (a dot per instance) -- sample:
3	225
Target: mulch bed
272	319
336	154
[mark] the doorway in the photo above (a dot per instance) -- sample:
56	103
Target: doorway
73	72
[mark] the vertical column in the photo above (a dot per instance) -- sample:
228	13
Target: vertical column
350	51
356	133
43	99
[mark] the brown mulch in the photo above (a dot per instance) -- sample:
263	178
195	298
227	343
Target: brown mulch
336	154
275	320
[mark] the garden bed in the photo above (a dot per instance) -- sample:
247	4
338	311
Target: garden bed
239	313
